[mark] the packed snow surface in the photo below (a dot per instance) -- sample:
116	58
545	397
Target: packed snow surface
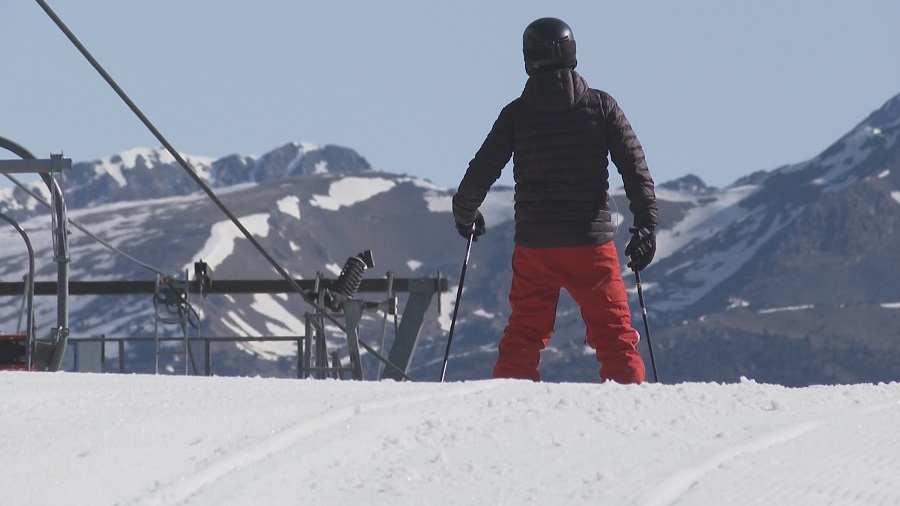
111	439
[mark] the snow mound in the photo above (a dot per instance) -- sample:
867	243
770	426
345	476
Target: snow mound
113	439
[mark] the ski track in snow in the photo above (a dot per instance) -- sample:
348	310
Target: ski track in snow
688	484
180	489
677	485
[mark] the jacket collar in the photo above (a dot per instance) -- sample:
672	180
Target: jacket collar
555	90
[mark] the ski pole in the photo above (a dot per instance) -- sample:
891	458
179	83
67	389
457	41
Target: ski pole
462	279
637	279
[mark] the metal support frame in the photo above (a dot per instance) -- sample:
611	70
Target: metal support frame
353	313
29	297
36	165
49	355
172	292
315	357
312	346
421	291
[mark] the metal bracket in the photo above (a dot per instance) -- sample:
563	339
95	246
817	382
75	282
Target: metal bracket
56	163
421	292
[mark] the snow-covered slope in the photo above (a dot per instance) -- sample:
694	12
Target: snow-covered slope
709	236
113	439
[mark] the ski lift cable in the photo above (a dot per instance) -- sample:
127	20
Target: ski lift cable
81	227
165	276
202	184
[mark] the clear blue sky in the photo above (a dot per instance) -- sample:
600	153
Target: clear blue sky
718	89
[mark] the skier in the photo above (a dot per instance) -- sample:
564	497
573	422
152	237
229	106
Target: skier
559	132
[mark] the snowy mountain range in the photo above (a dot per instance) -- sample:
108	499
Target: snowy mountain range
785	276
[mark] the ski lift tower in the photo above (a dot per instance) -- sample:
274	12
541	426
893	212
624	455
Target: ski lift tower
48	354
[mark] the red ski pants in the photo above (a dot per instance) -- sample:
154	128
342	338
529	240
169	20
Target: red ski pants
591	275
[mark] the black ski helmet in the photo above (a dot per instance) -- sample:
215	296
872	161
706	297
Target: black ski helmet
548	43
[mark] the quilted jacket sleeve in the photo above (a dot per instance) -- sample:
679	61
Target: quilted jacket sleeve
484	169
627	154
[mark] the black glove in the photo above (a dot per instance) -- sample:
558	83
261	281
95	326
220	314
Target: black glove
641	248
465	229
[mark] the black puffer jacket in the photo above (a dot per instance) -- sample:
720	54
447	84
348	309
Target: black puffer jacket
560	132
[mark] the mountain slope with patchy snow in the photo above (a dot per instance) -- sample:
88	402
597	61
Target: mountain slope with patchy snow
796	262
